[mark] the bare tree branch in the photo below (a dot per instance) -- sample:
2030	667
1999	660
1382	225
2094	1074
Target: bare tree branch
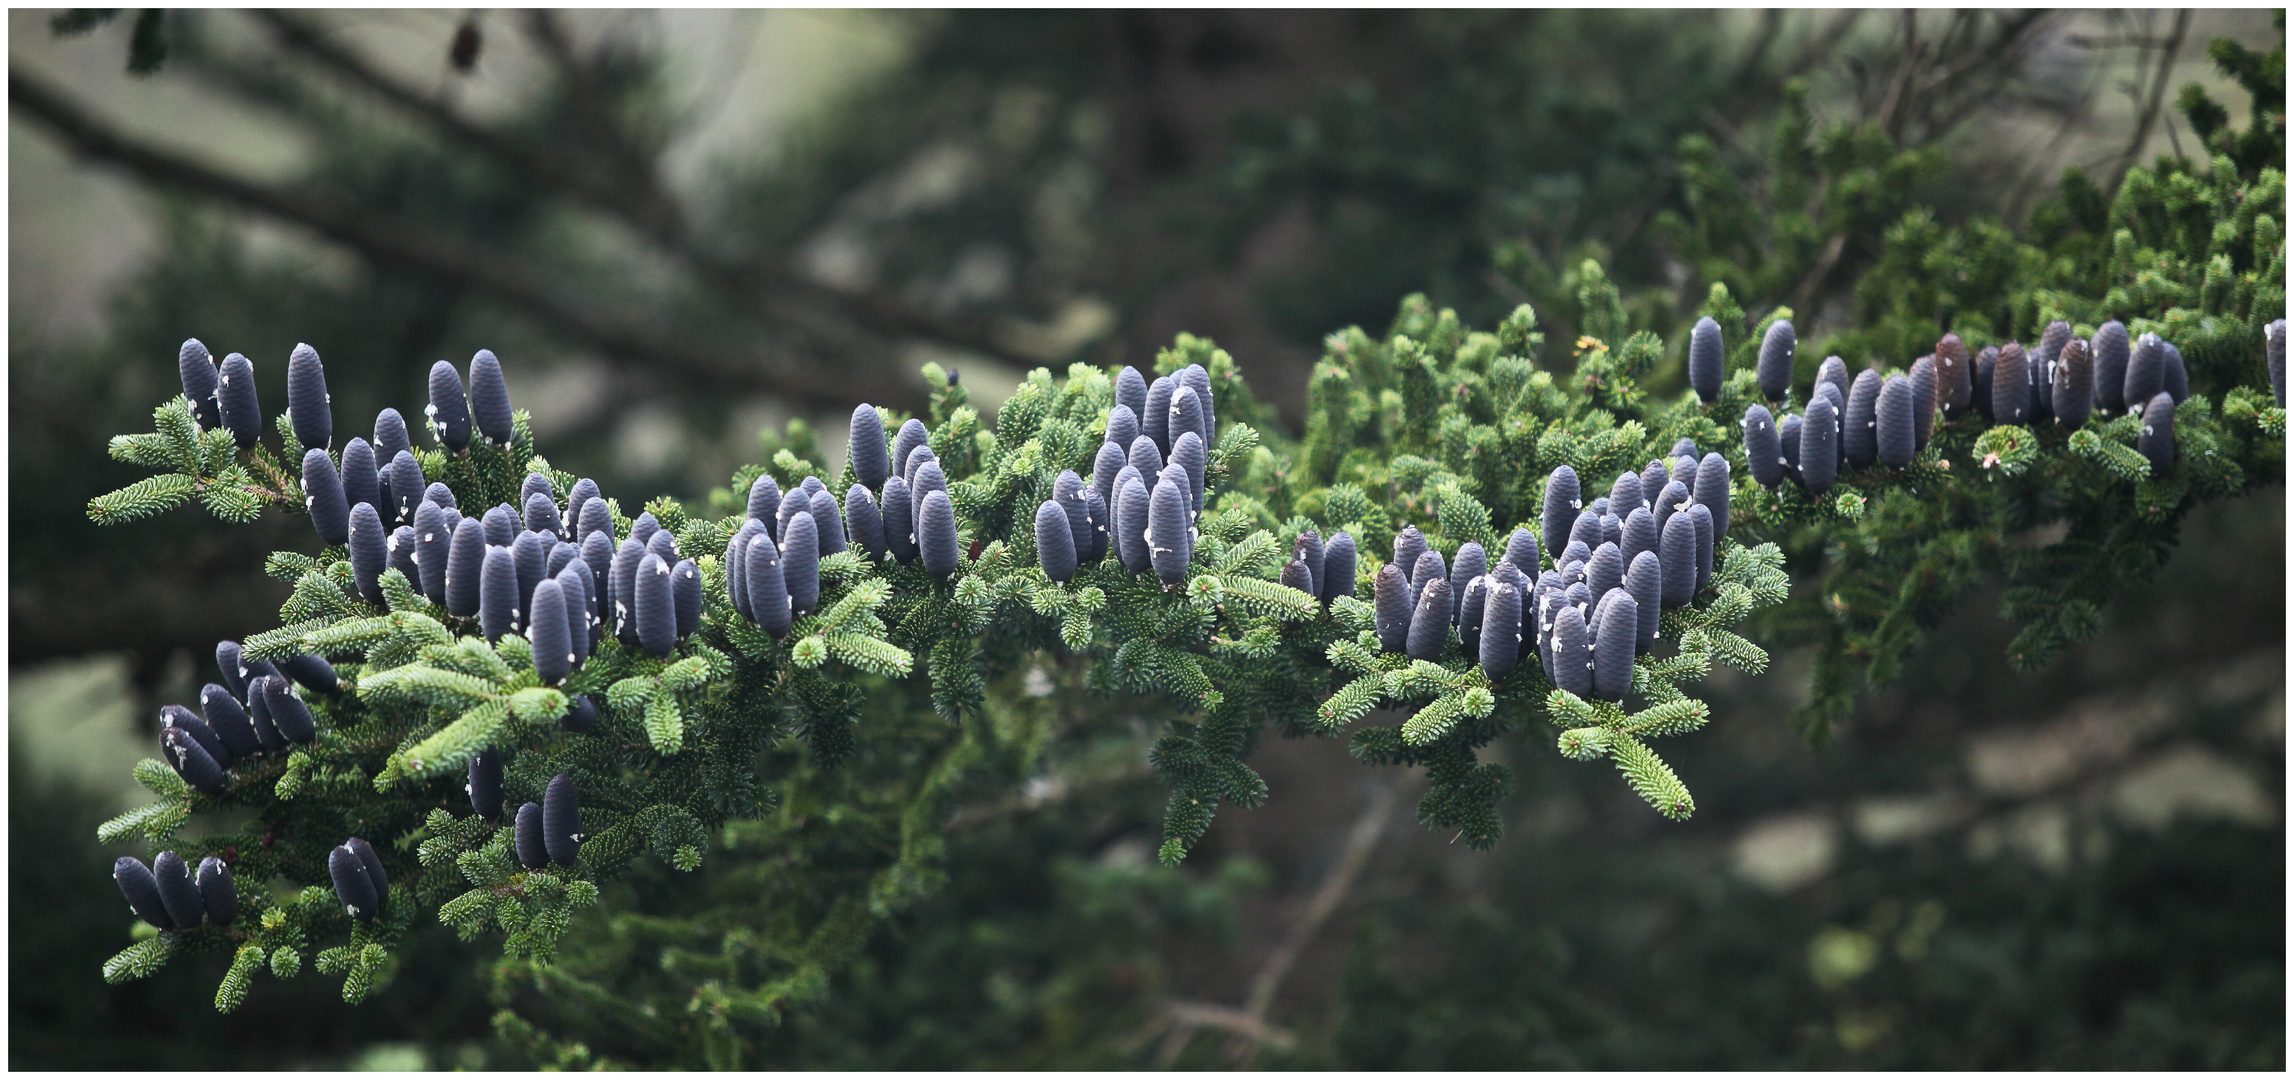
1360	842
652	211
2158	96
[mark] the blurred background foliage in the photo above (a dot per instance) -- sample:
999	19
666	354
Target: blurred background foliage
680	230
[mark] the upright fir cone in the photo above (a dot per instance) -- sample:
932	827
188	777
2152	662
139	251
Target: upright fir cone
1099	522
575	585
310	412
1521	551
1859	430
765	502
490	400
1170	536
1430	565
259	714
352	886
1677	557
1409	544
1067	492
1110	461
1893	435
1307	551
2146	372
1146	458
197	369
2174	378
552	639
236	402
1820	445
916	460
2157	441
288	713
542	514
1186	415
863	522
1705	360
529	555
643	529
871	463
1833	394
369	551
1625	494
1472	605
433	550
406	486
1985	361
929	478
1654	476
1338	563
1295	575
767	590
2074	385
1708	541
828	523
1122	427
561	820
1131	506
323	498
142	891
498	594
797	568
911	435
176	892
177	716
1188	454
1775	367
581	715
1472	562
1670	501
797	501
531	853
1645	580
2110	347
374	874
899	510
217	892
1197	377
465	561
1923	384
1762	450
1955	378
449	409
312	672
1605	570
228	719
1614	646
1392	608
1640	534
1429	630
1498	645
1155	423
443	496
1054	542
399	555
656	606
191	761
390	436
1572	653
1834	371
936	535
597	553
1131	391
1712	490
2011	385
